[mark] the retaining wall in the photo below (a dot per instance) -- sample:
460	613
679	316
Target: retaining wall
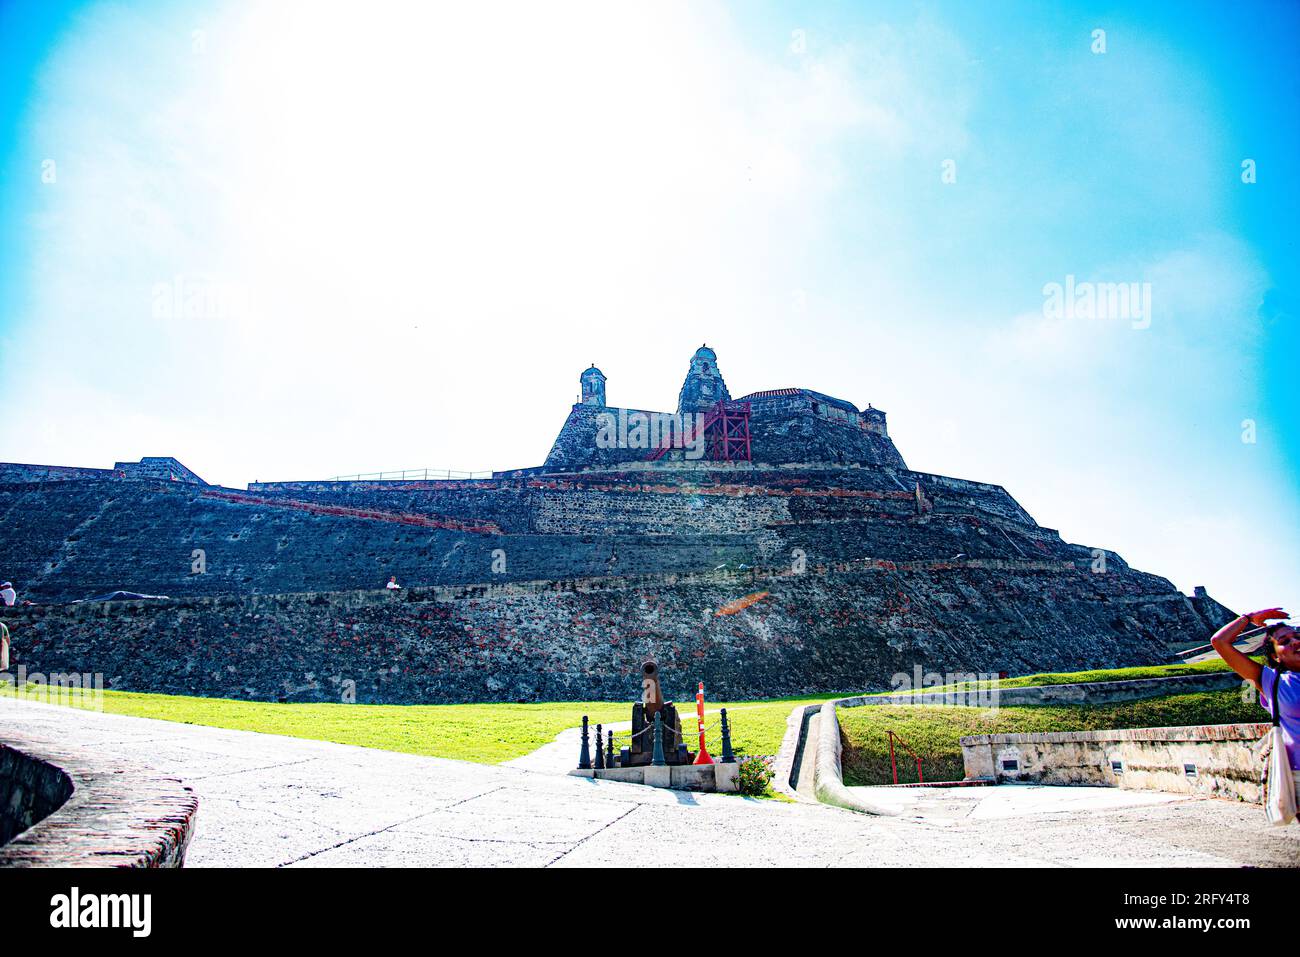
75	539
1210	760
827	743
746	634
30	790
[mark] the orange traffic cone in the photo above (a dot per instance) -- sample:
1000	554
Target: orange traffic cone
703	756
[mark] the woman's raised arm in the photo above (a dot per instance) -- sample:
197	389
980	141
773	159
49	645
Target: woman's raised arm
1223	640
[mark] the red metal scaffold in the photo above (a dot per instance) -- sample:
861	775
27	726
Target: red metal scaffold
726	434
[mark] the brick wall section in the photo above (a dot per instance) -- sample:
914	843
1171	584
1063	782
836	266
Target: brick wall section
90	812
839	628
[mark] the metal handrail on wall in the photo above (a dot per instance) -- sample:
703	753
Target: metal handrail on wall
409	475
908	749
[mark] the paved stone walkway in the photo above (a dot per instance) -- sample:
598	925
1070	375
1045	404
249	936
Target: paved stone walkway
947	806
267	801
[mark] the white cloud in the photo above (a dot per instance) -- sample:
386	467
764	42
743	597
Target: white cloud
431	210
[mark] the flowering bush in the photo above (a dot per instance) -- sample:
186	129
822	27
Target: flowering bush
755	774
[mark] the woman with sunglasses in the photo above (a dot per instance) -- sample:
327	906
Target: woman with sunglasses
1279	675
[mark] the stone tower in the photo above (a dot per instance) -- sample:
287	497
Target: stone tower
593	387
704	386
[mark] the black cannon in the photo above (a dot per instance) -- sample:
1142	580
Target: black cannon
641	750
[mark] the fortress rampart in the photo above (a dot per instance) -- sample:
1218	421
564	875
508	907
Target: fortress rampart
71	540
757	633
556	581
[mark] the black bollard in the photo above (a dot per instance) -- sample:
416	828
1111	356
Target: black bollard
609	757
657	759
728	756
600	752
584	758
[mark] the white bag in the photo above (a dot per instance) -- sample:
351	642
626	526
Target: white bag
1279	781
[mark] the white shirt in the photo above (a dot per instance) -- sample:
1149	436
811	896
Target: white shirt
392	585
8	595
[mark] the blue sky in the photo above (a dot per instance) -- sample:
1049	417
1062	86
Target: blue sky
412	228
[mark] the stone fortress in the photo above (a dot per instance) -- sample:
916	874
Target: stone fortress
774	544
786	426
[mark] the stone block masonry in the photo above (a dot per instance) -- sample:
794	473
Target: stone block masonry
74	539
839	628
1212	760
160	468
554	582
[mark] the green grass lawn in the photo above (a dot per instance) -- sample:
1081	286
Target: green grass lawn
934	732
1086	677
492	733
486	733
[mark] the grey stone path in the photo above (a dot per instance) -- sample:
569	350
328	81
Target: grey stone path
267	801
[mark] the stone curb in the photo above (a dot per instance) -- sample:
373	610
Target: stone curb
785	767
828	780
115	816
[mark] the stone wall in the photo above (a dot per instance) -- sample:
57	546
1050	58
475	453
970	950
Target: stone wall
809	436
575	447
160	467
860	577
838	628
1210	760
71	540
30	790
163	468
11	472
781	433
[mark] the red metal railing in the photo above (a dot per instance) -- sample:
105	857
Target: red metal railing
371	514
906	747
411	475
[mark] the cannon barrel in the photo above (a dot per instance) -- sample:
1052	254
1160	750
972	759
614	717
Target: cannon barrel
652	695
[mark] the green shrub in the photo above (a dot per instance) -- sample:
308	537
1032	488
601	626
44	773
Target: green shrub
755	774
